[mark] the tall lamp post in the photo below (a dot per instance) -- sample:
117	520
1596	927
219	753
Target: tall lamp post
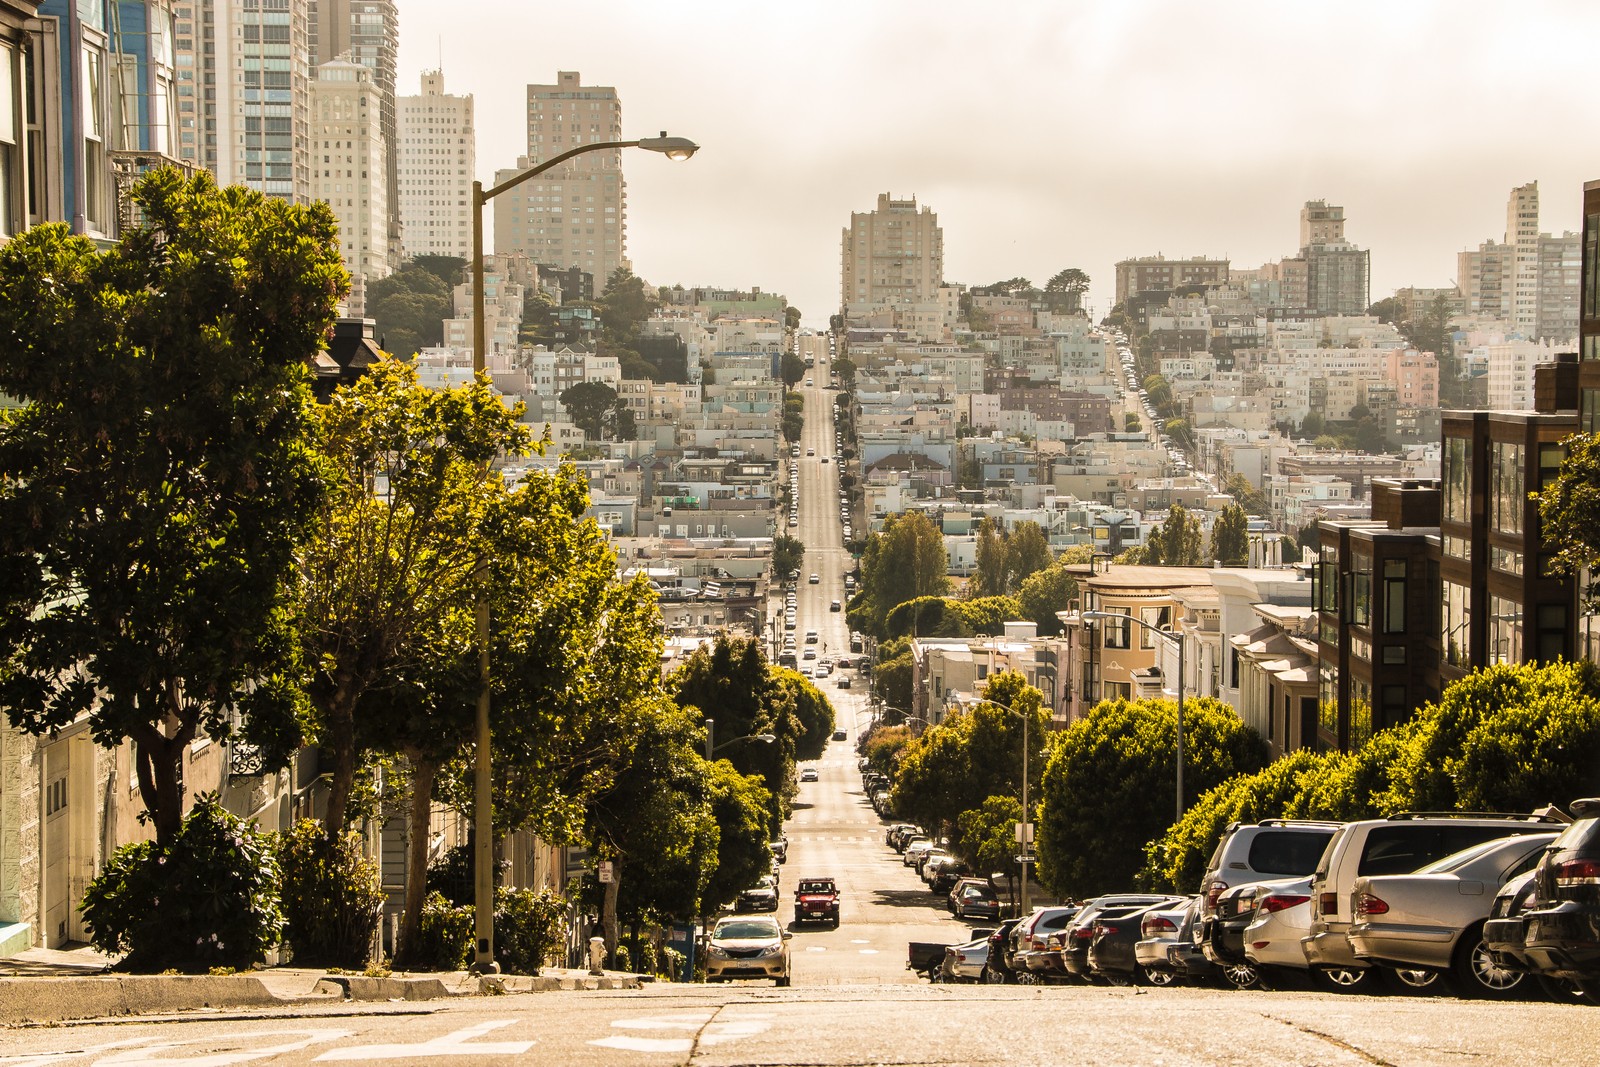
1024	828
482	815
712	750
1176	639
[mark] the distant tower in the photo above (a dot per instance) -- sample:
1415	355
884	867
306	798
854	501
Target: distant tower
1338	274
891	255
349	136
575	215
438	159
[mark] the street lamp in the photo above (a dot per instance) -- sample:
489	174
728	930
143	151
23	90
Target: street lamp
482	815
1024	837
1176	639
711	726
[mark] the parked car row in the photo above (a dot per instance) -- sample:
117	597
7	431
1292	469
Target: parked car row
1480	905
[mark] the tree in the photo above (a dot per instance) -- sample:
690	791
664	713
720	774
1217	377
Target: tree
1130	422
391	573
409	308
1108	781
987	614
1230	537
1251	499
1385	310
791	318
989	579
883	747
587	403
988	836
1071	284
1569	511
740	806
1027	552
787	554
904	560
448	269
1176	542
792	369
812	711
845	368
624	306
1313	426
1048	591
155	481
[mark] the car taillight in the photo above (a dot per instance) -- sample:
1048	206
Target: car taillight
1213	891
1083	933
1107	928
1574	873
1156	925
1367	904
1283	901
1328	904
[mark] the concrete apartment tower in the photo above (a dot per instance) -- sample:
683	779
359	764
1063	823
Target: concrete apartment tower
245	84
890	256
1530	280
349	142
1522	234
1338	274
575	215
366	32
438	158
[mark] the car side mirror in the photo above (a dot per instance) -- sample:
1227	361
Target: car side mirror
787	935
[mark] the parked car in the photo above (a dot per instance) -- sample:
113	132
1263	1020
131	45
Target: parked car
808	774
1562	934
893	830
965	962
1505	931
974	898
1399	844
1258	852
1430	923
1113	935
1158	941
932	867
914	848
747	946
1032	935
947	877
763	896
997	967
920	860
1282	917
1080	932
780	849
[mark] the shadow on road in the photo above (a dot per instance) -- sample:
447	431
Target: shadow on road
910	898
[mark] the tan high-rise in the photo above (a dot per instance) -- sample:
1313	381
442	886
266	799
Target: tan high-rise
574	215
350	169
891	256
438	158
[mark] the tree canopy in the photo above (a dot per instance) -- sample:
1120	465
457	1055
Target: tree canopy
903	561
1176	542
1230	537
409	308
155	481
588	403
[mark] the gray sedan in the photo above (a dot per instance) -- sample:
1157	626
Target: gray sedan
1429	923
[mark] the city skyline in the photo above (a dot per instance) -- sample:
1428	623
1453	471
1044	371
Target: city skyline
1056	138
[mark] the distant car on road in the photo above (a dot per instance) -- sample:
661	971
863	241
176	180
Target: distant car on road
840	735
808	774
815	579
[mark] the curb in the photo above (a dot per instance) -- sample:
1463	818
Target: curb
25	1001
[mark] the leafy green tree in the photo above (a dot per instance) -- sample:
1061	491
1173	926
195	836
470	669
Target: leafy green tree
1251	499
792	369
892	678
1230	537
927	616
1071	284
1179	431
624	306
1176	542
539	318
1045	593
787	554
1131	422
741	808
1569	512
1027	552
812	710
388	577
409	308
791	318
884	745
588	403
1108	781
845	368
989	579
448	269
1313	426
904	560
988	837
1386	310
986	615
155	481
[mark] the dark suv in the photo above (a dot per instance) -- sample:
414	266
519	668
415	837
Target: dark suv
1562	937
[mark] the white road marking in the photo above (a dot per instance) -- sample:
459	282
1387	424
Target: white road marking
868	951
451	1044
860	941
154	1049
714	1034
815	948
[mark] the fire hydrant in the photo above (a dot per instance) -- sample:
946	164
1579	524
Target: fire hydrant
597	955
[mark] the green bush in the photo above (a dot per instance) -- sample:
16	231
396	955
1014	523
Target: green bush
528	925
208	900
331	896
619	959
444	937
453	874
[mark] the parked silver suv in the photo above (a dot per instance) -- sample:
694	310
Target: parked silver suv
1259	851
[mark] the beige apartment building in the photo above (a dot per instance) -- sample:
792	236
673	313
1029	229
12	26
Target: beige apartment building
892	256
345	106
1530	280
574	215
438	156
1147	273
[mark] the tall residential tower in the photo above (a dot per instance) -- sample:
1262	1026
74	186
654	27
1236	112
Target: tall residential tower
891	256
438	158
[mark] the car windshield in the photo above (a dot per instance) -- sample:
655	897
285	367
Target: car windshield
744	930
816	887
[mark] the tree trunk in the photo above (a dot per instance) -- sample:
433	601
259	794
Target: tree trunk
418	819
341	740
608	907
158	762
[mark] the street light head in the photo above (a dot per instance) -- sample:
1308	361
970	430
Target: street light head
766	739
671	147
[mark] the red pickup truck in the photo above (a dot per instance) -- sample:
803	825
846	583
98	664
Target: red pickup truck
816	900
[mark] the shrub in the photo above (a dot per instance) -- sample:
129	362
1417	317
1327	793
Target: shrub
527	926
208	900
452	874
444	937
619	959
331	896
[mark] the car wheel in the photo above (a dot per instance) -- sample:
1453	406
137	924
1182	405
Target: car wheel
992	976
1156	976
1241	975
1477	974
1027	978
1418	980
1562	990
1346	979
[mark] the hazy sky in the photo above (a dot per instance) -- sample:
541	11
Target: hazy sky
1049	134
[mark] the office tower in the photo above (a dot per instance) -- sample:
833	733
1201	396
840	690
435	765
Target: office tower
574	215
891	256
349	177
438	157
366	32
244	93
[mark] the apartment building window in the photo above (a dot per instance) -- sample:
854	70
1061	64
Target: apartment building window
1360	713
1327	579
1457	464
1160	618
96	165
1118	632
1119	691
1552	632
1505	630
1455	610
1361	589
1507	500
8	141
1328	697
1394	596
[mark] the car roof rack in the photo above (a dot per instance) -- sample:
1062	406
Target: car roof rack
1298	822
1508	816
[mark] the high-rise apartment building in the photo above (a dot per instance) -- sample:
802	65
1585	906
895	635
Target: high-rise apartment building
1522	234
574	215
438	158
1338	274
1483	276
1529	280
349	142
366	32
891	256
244	93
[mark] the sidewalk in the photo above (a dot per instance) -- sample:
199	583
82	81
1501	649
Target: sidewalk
55	985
